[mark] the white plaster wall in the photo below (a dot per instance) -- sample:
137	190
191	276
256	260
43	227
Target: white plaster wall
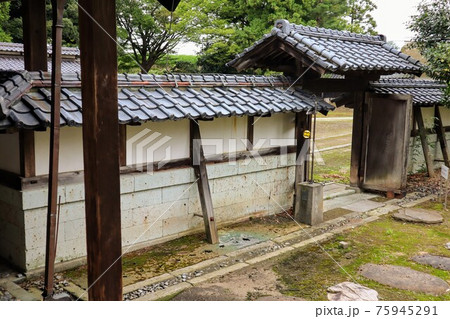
223	135
157	141
277	130
71	150
10	158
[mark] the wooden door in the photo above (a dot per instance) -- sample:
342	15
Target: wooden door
385	147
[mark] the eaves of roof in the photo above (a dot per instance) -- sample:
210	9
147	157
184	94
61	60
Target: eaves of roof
25	98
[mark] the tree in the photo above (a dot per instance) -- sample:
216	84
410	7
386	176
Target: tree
432	28
148	31
239	23
361	21
13	26
4	17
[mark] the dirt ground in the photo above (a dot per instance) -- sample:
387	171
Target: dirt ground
255	283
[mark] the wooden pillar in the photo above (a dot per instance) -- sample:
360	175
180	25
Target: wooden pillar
34	35
27	153
123	145
301	124
440	131
357	142
101	148
423	139
35	58
250	132
199	164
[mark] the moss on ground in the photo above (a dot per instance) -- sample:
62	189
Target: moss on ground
336	166
309	272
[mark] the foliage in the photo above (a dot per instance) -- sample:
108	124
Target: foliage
432	28
360	19
4	17
148	31
237	24
13	26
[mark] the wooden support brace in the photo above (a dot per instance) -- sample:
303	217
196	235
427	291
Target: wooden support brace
357	140
250	132
199	165
440	131
123	145
27	153
302	123
423	138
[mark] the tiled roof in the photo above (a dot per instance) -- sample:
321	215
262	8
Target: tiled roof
424	92
18	48
331	50
16	63
25	98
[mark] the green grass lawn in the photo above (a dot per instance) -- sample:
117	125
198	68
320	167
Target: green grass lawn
309	272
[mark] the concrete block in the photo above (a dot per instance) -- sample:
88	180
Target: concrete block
222	170
309	205
141	233
11	214
12	234
175	225
35	237
147	198
171	177
126	183
175	193
38	197
235	182
72	211
75	229
35	218
74	192
11	196
126	218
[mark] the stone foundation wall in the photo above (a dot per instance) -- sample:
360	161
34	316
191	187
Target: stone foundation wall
155	207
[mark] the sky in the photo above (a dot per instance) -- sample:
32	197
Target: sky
391	17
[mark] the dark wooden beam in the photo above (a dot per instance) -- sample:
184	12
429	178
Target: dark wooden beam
423	138
302	123
27	153
34	35
335	85
101	148
35	58
440	131
250	132
357	135
123	145
199	164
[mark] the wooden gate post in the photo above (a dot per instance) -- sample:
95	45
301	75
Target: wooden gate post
101	148
199	164
440	131
423	139
301	124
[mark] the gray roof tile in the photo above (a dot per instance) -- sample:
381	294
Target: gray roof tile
332	50
25	98
424	92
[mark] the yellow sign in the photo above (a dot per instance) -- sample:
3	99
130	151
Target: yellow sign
306	134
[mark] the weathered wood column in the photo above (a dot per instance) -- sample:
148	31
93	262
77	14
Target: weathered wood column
101	148
440	131
201	173
302	123
35	58
357	142
423	138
